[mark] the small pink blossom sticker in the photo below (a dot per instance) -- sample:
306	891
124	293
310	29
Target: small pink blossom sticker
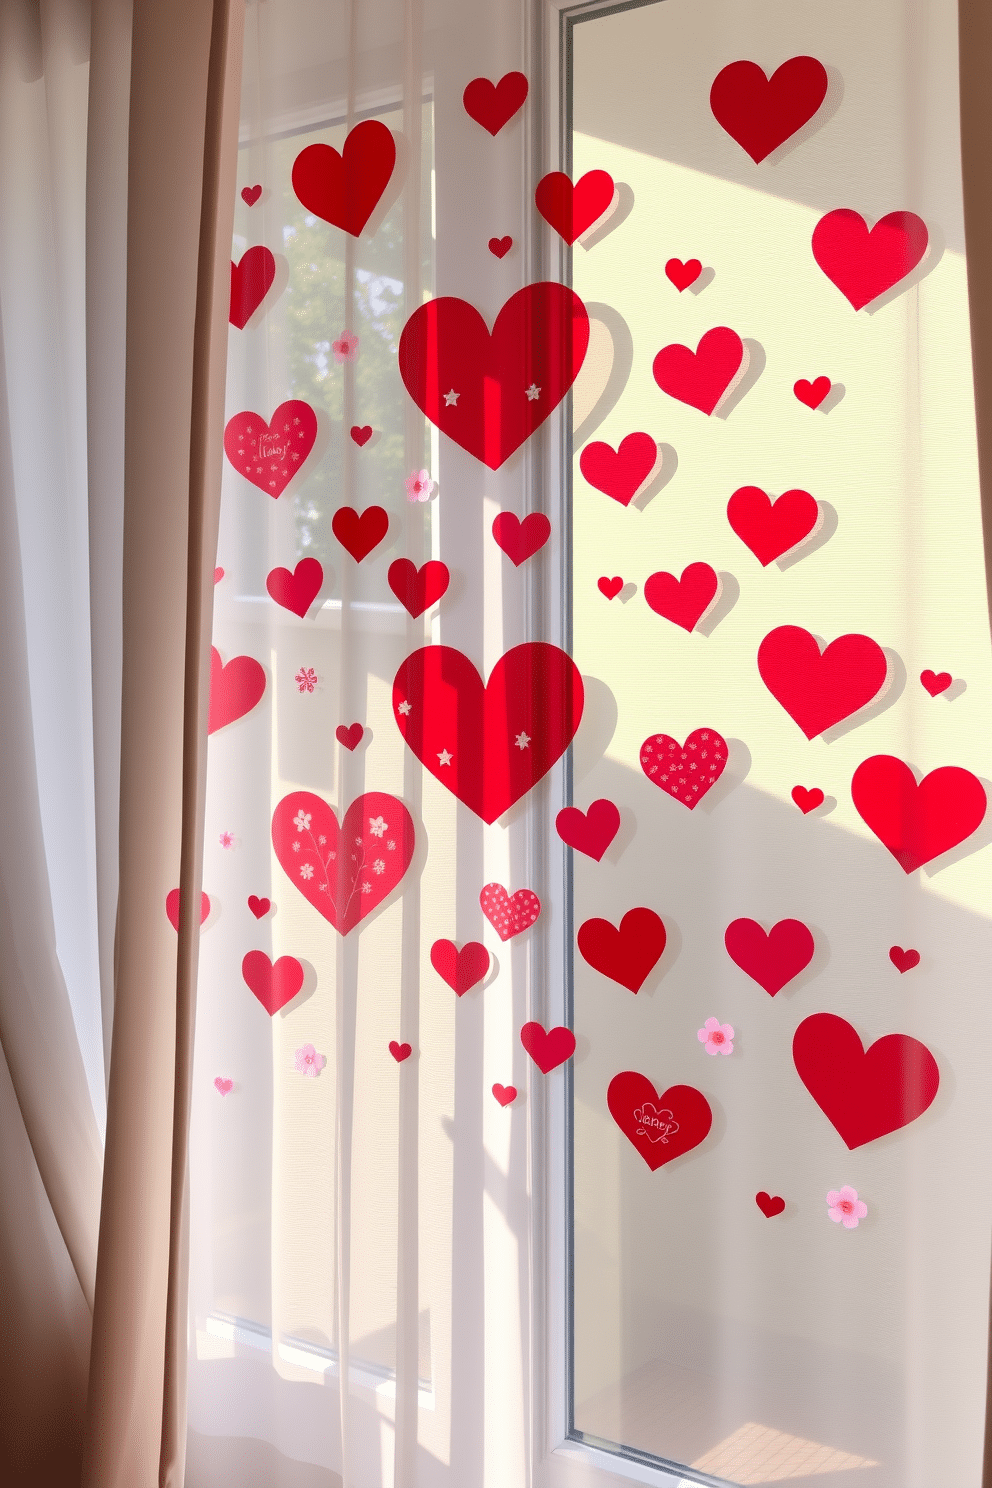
306	679
844	1207
226	839
716	1037
224	1085
309	1062
419	486
345	348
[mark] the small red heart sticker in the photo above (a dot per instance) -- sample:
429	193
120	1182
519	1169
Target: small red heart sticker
259	907
218	575
936	682
628	953
812	393
521	540
349	734
494	104
807	800
360	532
548	1047
589	832
461	969
683	274
684	601
296	590
500	247
361	433
610	587
505	1094
400	1051
769	1204
273	984
903	960
250	194
172	908
418	588
572	210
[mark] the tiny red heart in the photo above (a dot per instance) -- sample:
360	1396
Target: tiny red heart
461	969
936	682
224	1086
610	587
218	575
259	907
172	908
400	1051
903	960
505	1094
807	800
769	1204
360	532
521	540
349	734
548	1047
812	393
683	274
500	247
250	194
361	433
683	601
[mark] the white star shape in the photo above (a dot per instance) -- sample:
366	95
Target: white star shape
405	708
444	758
522	740
533	392
451	398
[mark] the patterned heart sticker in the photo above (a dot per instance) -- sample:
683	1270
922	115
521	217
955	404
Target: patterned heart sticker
345	189
769	1204
269	455
548	1047
461	969
762	112
505	1094
685	771
273	985
509	914
661	1127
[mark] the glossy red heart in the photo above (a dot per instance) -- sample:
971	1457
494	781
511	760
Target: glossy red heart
685	771
509	914
626	954
505	1094
361	433
250	194
345	189
234	689
807	800
762	112
769	1204
494	104
500	247
903	960
819	690
771	528
276	985
521	540
812	393
703	377
360	532
622	472
506	382
864	264
269	455
418	588
572	210
589	832
683	274
296	591
461	969
344	874
771	958
917	822
259	907
936	682
548	1047
488	744
251	279
350	735
864	1093
610	587
172	908
683	601
400	1051
661	1127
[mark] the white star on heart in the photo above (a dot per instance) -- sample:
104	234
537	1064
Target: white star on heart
522	740
451	398
445	757
533	392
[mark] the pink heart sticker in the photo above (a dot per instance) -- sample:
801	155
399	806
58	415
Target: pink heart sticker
235	689
509	914
269	455
273	984
224	1086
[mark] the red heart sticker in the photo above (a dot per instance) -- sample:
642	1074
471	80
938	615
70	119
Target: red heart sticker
461	969
234	689
250	194
917	822
661	1127
683	601
344	874
768	1204
350	735
819	690
683	274
864	264
361	433
812	393
548	1047
172	908
259	907
903	960
762	112
273	985
610	587
345	189
251	279
269	455
771	528
500	247
807	800
400	1051
702	378
296	591
521	540
864	1093
418	588
494	104
771	958
936	682
489	391
505	1094
626	954
360	532
589	832
488	744
685	771
509	914
218	575
572	210
622	473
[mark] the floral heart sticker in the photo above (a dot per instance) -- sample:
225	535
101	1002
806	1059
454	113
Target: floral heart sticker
296	591
251	279
234	689
762	112
903	961
812	393
172	908
400	1051
624	472
819	690
494	104
769	1204
626	954
548	1047
807	800
936	682
702	378
345	189
521	540
259	907
505	1094
418	588
509	914
572	210
683	274
773	957
864	1093
269	455
273	985
917	822
461	969
685	771
772	528
864	264
346	873
661	1127
684	601
592	831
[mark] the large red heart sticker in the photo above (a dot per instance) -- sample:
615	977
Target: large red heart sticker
273	985
572	210
589	832
702	378
234	689
489	391
509	914
269	455
864	1093
344	874
917	822
621	472
771	528
494	104
762	112
686	771
548	1047
489	744
683	601
298	589
461	969
251	280
819	690
864	264
661	1127
345	189
773	957
626	954
418	588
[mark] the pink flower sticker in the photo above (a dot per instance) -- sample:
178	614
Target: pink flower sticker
309	1062
419	486
716	1037
226	839
345	348
844	1207
306	679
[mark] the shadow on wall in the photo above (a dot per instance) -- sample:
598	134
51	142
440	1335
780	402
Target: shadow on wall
237	1460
